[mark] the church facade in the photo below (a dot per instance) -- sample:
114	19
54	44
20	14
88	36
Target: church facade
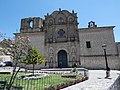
63	44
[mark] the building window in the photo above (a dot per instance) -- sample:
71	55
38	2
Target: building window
88	44
60	20
31	24
61	33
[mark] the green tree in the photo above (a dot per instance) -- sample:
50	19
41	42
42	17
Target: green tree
34	57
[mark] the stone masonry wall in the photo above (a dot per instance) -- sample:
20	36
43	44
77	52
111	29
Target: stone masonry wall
37	40
98	62
93	58
97	38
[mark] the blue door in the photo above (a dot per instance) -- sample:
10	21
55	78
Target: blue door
62	59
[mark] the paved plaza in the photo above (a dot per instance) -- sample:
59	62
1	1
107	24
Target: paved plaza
96	81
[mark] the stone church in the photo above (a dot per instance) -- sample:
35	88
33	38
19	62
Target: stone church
64	44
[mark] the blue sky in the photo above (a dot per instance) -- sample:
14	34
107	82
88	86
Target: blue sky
103	12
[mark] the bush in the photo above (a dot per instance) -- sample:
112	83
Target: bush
74	70
50	88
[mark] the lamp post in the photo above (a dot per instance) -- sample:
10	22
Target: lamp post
107	67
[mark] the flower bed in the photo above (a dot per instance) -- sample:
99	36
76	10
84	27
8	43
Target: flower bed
31	76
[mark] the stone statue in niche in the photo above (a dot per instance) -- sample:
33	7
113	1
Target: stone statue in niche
73	51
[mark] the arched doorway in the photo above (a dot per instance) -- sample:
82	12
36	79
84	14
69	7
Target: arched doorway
62	59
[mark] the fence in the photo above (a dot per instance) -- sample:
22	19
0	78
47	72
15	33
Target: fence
21	84
53	79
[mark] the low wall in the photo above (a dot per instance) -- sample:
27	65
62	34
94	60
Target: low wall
116	85
84	72
6	70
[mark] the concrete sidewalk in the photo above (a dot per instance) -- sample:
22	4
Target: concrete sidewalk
96	81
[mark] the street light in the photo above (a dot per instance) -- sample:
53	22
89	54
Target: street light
107	67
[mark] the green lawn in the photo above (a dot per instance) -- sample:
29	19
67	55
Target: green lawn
38	84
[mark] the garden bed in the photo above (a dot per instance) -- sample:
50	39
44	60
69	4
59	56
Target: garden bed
50	79
38	84
31	76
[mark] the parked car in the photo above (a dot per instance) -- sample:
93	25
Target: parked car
2	64
5	63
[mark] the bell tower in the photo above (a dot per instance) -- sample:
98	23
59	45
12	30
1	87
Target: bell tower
31	24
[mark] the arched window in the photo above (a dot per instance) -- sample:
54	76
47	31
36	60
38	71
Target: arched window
31	24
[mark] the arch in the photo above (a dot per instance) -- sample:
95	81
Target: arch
31	23
51	50
73	50
70	19
49	21
60	18
62	59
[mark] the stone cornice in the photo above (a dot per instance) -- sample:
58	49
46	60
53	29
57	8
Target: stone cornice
98	28
98	55
29	32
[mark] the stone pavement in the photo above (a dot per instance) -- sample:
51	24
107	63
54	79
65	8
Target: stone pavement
96	81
